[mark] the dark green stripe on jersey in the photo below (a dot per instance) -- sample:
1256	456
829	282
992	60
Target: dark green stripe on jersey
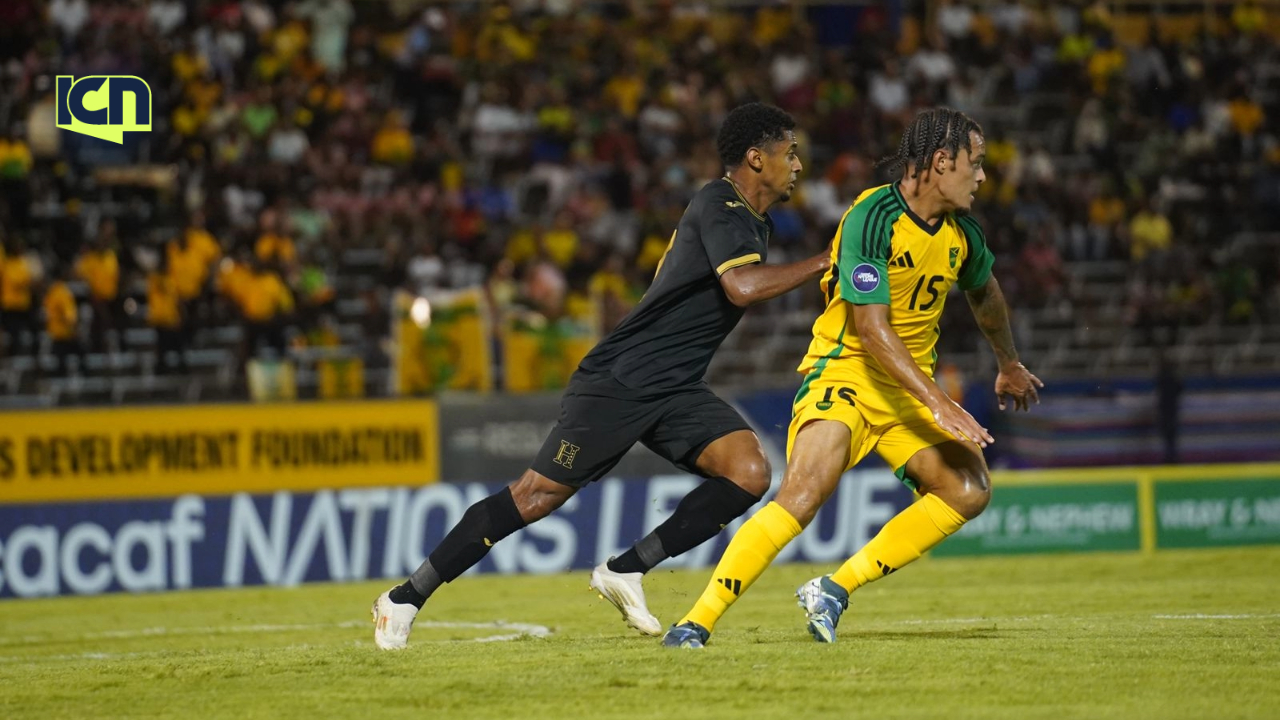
876	242
821	365
865	244
976	269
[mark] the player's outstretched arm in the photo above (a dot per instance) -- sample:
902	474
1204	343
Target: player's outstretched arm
750	284
992	313
878	337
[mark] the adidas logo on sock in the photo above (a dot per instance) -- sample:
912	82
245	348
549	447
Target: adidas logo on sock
734	585
886	569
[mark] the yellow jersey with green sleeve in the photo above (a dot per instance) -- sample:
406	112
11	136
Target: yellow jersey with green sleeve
885	254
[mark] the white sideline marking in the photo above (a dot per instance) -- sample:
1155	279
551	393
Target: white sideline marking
1199	616
519	629
512	631
74	656
1027	618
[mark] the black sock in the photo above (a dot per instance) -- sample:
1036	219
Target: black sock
700	516
641	557
406	594
425	580
482	526
418	587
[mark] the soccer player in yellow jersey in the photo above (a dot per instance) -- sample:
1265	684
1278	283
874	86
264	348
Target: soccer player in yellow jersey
868	381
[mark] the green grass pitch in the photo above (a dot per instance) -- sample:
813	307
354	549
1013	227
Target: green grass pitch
1189	634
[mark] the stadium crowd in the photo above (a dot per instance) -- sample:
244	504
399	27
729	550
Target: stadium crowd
544	151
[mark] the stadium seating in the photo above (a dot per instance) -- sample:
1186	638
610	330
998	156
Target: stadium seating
468	194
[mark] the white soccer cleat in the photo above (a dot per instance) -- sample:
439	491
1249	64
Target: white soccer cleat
392	622
626	594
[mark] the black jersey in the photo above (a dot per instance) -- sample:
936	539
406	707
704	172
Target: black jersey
667	341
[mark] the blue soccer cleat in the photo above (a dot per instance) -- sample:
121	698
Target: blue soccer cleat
823	602
686	635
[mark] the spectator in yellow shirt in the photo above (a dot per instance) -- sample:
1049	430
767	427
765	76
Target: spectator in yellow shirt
1106	63
1106	211
99	268
202	241
500	38
233	273
273	245
625	90
164	315
15	158
1150	234
15	189
1246	115
560	241
393	145
17	315
265	301
1248	17
611	292
772	24
61	320
202	251
187	268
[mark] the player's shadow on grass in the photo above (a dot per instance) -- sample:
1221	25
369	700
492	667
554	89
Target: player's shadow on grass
762	636
980	633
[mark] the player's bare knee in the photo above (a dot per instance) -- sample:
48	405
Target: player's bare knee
752	473
537	504
537	497
970	491
804	504
801	497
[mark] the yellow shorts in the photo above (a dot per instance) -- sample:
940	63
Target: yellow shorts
883	418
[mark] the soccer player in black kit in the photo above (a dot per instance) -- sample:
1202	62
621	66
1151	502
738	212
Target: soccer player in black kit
644	383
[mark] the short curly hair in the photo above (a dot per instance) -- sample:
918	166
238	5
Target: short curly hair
748	126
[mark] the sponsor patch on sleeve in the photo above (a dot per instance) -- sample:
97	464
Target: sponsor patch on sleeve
865	278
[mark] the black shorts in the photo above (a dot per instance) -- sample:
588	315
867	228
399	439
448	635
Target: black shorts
599	424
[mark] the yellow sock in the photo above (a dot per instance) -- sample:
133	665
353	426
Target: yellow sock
907	536
748	554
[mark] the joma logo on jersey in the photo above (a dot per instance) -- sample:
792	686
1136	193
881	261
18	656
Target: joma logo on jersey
732	203
568	451
95	105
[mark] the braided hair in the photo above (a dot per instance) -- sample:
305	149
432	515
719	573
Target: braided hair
748	126
931	131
